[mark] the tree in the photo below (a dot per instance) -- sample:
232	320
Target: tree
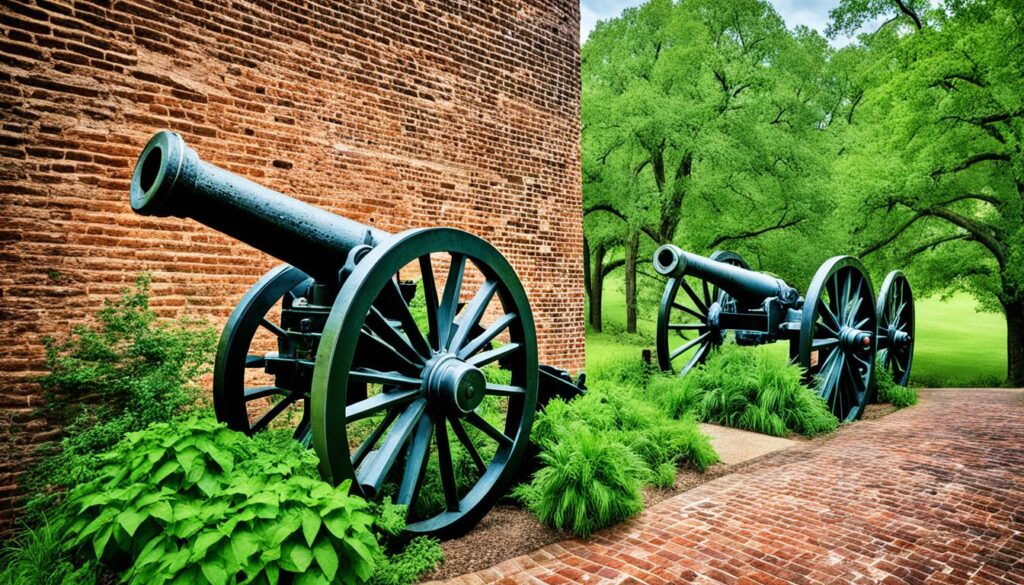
695	107
932	169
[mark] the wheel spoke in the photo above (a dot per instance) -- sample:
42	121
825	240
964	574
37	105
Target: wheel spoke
472	313
460	433
824	343
379	325
444	464
686	326
368	376
827	312
686	309
707	293
503	390
377	403
372	473
484	338
275	410
371	440
430	298
477	421
698	357
303	429
392	297
450	300
833	332
375	353
417	454
693	296
482	359
255	361
262	392
681	349
273	328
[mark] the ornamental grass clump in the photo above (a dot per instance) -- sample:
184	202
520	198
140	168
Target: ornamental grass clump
585	484
747	389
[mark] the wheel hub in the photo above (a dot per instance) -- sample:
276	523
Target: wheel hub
851	338
714	322
454	385
900	339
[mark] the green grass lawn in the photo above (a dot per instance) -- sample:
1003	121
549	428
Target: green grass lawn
956	346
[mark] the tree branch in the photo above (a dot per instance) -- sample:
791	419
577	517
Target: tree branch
607	207
936	242
970	162
909	12
978	231
871	249
781	225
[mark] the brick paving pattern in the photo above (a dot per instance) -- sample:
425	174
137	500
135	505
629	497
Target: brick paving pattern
932	494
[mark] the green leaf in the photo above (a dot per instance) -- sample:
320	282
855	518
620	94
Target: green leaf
245	544
299	555
360	549
204	542
310	526
130	520
161	510
99	544
214	573
326	557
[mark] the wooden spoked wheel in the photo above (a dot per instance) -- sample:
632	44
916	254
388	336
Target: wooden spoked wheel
896	327
437	393
837	341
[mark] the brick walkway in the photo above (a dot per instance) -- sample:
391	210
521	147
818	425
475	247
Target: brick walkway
932	494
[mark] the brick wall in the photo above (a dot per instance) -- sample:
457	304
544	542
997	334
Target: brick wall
397	113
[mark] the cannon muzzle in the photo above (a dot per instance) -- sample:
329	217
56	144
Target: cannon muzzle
750	288
171	179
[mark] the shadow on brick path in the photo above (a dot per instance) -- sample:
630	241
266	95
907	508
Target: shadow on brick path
930	494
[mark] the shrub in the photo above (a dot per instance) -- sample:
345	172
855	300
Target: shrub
115	376
750	390
585	483
422	554
194	501
889	391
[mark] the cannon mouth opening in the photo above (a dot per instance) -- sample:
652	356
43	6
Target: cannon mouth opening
156	173
150	168
668	260
666	257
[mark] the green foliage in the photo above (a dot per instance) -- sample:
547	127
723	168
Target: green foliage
598	450
420	555
114	376
585	484
36	557
752	390
889	391
195	502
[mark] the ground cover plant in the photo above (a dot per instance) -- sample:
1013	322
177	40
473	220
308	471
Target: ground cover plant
148	487
886	390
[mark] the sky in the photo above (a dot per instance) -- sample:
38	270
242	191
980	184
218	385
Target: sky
812	13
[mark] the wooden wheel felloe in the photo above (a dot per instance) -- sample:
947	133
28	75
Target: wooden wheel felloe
837	342
688	327
434	386
896	327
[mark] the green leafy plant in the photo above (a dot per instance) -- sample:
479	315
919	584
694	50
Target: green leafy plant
196	502
116	375
889	391
36	557
751	390
585	484
420	555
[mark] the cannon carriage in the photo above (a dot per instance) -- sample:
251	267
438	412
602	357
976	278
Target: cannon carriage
834	330
381	372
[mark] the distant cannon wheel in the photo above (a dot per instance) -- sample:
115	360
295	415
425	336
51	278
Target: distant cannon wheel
896	326
837	341
441	406
687	329
250	407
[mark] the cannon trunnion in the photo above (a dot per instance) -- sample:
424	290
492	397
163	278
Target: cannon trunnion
833	331
402	359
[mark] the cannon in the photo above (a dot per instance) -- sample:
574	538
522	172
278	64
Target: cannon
832	330
896	327
384	352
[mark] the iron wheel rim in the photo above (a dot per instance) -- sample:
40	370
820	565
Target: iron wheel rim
896	314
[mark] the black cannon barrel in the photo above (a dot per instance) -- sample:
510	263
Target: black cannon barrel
171	179
750	288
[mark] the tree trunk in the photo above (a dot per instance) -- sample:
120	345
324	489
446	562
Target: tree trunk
586	267
1014	343
632	248
597	288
